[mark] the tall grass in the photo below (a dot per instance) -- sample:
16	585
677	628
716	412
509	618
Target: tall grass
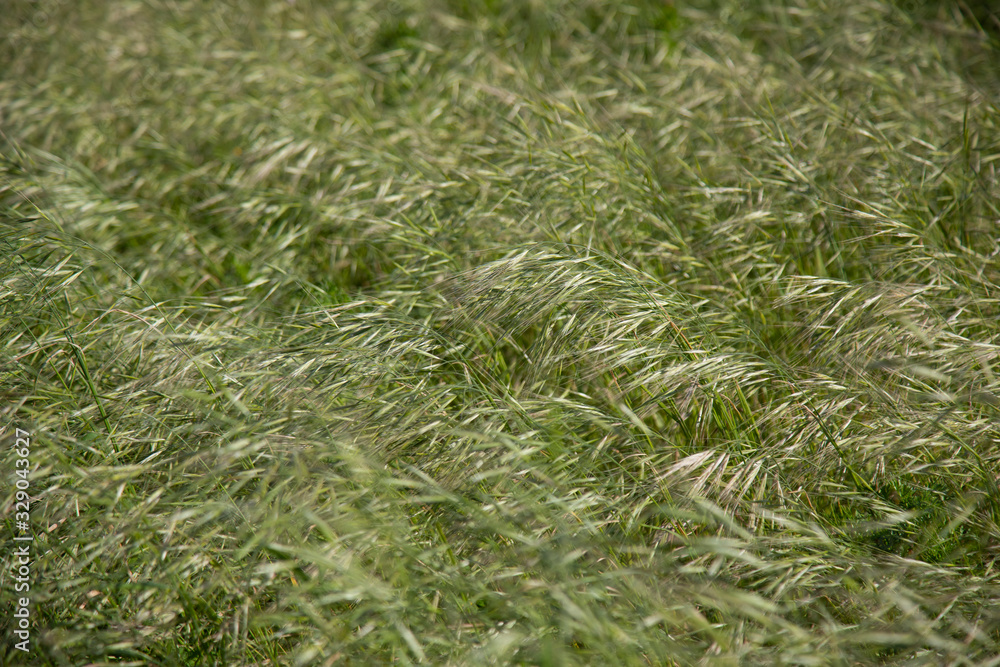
503	333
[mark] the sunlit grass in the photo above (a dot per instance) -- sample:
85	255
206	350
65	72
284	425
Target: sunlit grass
504	333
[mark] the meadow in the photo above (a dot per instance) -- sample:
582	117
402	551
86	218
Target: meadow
360	332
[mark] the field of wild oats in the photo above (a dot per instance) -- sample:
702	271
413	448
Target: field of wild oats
536	333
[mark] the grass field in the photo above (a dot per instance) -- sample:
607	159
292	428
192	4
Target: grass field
373	332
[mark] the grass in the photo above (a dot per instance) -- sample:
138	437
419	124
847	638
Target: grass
431	331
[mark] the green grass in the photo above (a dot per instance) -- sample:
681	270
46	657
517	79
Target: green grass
431	331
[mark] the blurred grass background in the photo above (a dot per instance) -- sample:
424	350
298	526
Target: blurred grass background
539	333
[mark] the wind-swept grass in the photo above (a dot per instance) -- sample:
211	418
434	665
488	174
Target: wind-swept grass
503	333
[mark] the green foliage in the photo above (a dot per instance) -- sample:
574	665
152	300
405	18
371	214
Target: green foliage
432	331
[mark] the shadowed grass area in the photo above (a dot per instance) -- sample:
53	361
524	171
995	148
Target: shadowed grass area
529	333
